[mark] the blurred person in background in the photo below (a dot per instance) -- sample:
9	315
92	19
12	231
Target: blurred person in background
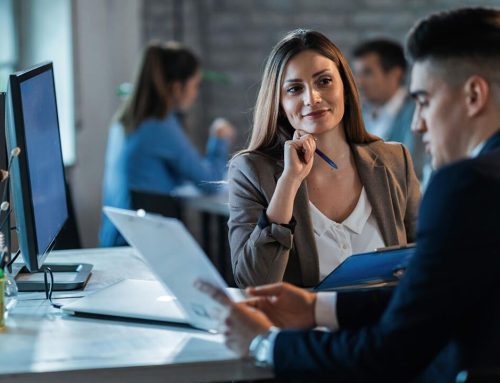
380	70
148	148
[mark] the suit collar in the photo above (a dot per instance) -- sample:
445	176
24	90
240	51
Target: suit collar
492	143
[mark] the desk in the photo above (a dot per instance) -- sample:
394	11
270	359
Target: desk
42	345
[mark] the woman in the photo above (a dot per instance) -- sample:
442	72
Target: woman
148	149
313	187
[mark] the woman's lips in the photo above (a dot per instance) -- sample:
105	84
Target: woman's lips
316	114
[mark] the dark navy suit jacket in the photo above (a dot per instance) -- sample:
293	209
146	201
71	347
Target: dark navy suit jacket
444	316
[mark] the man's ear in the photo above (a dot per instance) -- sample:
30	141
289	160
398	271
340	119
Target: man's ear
477	94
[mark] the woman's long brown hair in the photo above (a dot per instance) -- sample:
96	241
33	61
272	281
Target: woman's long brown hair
270	128
161	66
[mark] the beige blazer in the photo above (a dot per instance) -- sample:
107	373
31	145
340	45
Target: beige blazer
273	253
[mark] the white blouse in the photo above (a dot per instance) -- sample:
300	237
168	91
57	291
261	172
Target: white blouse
335	242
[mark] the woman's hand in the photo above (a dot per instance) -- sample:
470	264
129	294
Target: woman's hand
299	156
222	128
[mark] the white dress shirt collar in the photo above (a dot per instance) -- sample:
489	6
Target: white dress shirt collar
391	107
336	241
477	149
354	222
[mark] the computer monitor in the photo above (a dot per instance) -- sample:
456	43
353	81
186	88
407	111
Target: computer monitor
37	173
4	187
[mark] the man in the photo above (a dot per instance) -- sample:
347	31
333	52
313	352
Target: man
444	316
380	69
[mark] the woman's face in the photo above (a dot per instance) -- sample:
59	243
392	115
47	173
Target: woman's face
185	93
312	93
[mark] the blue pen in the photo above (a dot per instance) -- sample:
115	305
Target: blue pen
326	158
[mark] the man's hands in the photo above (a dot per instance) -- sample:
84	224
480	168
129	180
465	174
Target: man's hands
285	305
243	322
280	304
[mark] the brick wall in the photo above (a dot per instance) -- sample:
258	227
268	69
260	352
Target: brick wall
235	36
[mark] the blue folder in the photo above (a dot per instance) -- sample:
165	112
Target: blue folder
365	270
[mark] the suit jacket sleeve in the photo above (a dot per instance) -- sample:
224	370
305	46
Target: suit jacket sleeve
259	255
429	305
360	308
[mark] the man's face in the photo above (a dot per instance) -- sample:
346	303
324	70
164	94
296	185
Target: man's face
375	85
439	115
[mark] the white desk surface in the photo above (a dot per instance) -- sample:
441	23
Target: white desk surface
42	345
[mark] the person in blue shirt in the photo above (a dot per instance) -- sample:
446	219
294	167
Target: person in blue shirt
380	69
148	148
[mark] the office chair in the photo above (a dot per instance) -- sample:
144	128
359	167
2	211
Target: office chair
164	204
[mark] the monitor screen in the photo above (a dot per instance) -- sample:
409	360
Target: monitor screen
37	174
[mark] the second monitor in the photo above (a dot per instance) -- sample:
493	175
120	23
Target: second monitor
37	173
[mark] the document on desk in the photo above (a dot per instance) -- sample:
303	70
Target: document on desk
176	259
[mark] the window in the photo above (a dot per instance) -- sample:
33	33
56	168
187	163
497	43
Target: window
8	54
34	31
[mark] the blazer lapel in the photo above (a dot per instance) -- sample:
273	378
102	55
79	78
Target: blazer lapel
376	182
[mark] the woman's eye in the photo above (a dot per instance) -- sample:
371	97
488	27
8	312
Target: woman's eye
325	81
293	89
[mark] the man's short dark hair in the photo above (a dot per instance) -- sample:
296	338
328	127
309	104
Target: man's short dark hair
390	53
460	33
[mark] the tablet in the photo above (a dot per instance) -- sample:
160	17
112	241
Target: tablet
381	267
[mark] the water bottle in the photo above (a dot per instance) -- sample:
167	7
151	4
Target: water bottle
10	293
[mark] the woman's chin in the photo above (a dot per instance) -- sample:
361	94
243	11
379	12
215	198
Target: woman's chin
317	129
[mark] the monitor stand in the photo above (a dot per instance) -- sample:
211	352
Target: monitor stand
66	277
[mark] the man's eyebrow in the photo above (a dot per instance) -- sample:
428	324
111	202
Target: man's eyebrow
314	75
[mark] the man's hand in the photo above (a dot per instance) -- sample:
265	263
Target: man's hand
243	322
285	305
